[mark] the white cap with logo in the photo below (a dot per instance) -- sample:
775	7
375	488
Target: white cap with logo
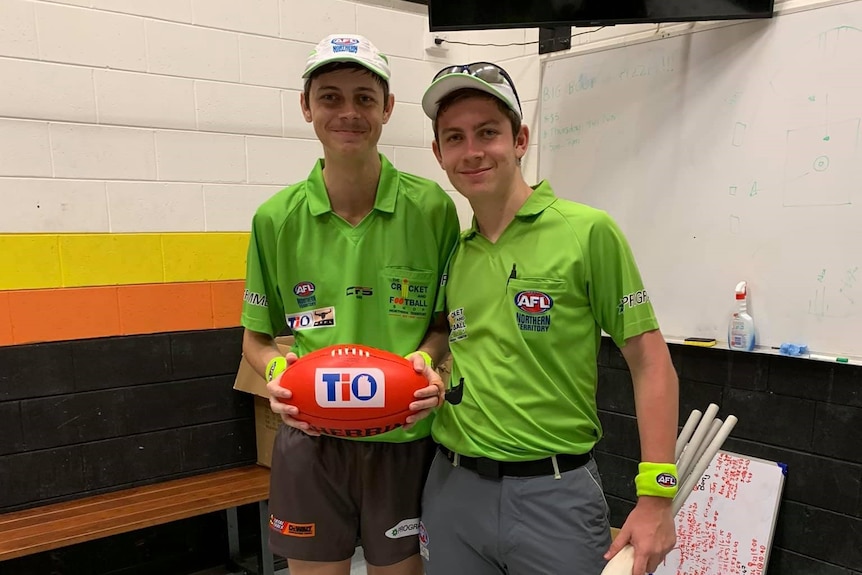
347	48
483	76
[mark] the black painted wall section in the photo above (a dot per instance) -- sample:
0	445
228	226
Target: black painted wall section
90	416
804	413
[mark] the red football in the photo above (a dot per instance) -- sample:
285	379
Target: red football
352	390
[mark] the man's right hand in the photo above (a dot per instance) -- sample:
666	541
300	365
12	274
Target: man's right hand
285	410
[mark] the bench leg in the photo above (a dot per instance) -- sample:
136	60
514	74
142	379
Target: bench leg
267	566
233	535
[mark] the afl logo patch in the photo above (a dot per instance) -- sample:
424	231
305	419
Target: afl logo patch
303	289
533	302
666	480
345	41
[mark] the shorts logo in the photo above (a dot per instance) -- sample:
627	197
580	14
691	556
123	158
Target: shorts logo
312	319
291	529
423	542
304	292
350	387
405	528
533	308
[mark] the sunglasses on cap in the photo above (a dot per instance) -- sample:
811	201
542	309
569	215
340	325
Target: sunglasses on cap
485	71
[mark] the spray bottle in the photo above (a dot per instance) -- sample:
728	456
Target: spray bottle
740	331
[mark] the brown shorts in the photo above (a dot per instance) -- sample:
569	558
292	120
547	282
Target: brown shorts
327	494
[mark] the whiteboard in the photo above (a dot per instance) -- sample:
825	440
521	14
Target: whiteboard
726	154
727	523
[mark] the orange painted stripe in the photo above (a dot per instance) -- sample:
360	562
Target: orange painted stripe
28	316
227	303
53	315
166	307
5	320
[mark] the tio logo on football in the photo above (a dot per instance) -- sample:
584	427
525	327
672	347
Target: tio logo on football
350	387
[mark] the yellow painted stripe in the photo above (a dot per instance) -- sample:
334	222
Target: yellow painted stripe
111	259
204	257
29	261
39	261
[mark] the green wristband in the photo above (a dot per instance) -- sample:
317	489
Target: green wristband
276	366
426	356
657	480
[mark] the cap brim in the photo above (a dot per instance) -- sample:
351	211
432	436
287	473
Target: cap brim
346	58
441	87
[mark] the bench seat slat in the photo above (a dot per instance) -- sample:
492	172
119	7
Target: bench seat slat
61	524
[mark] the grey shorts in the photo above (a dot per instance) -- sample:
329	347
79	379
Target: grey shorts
539	525
327	494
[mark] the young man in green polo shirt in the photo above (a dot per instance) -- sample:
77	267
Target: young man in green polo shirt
331	259
528	291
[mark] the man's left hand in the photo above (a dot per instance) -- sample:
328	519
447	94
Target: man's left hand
428	398
650	529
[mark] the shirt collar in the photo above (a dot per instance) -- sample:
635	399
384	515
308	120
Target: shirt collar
384	201
539	200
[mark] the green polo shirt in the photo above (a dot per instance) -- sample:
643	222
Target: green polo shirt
332	283
526	315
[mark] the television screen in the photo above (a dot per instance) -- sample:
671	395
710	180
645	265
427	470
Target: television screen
486	14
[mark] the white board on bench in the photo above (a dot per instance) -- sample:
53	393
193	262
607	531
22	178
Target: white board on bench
727	523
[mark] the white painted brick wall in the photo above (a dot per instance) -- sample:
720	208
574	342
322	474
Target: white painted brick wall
160	115
310	21
18	29
174	10
280	160
102	152
169	207
200	157
52	205
25	149
46	91
192	52
271	61
132	99
238	109
230	207
257	16
91	37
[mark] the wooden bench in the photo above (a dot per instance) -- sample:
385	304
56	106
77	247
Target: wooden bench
61	524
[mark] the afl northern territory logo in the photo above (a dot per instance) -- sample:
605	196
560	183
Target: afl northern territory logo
345	41
533	302
348	45
304	292
533	308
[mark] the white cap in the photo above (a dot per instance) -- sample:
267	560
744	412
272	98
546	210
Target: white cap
447	84
347	48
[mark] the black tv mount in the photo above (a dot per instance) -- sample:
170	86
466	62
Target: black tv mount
555	39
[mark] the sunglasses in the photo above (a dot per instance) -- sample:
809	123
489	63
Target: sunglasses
485	71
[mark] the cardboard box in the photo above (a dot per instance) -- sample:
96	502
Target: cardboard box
265	421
